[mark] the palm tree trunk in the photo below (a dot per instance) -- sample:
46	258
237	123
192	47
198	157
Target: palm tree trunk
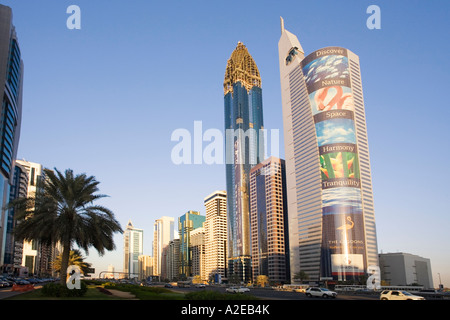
64	262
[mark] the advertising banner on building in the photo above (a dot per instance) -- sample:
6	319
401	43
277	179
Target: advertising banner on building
326	73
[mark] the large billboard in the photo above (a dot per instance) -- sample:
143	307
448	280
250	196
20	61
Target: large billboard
326	73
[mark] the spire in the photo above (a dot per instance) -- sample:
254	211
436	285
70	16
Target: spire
282	24
129	225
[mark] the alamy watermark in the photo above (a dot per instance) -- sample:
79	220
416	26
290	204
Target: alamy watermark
213	146
74	20
73	281
374	21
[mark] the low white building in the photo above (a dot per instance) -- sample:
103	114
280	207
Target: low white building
403	269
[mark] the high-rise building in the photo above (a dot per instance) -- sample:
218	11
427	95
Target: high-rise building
173	268
216	236
244	148
11	84
133	248
163	233
32	256
145	266
13	248
197	249
270	242
329	186
188	222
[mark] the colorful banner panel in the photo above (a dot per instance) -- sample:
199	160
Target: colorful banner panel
326	74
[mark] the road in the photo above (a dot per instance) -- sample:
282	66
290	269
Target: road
271	294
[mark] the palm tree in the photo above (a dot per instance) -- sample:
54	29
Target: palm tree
63	211
75	258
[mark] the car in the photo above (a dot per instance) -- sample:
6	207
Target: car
237	290
398	295
320	292
168	285
231	290
200	285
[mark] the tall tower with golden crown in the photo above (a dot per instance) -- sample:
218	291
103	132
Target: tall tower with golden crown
244	148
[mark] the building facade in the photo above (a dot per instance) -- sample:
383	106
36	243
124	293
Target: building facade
270	241
173	269
198	253
216	236
11	86
330	202
145	267
32	256
19	189
244	148
187	223
405	269
133	248
163	233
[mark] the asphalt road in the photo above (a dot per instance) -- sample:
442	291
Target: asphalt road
271	294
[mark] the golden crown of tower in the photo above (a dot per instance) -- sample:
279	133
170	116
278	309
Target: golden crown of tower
241	68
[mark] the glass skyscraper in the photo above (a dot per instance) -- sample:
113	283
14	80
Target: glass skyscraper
330	201
187	223
11	83
244	148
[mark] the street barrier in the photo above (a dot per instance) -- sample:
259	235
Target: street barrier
22	287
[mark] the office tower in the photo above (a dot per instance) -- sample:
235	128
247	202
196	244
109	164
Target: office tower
145	267
13	248
133	248
11	84
31	257
270	243
329	186
188	222
173	268
198	253
244	148
216	236
163	233
405	269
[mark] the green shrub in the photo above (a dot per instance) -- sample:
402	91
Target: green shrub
60	290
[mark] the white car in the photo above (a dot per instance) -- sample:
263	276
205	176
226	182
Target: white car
237	290
398	295
320	292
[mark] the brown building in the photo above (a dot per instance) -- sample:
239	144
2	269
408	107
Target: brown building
268	212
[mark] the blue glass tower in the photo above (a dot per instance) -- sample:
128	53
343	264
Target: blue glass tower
244	149
11	83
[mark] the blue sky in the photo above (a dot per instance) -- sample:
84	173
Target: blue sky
105	100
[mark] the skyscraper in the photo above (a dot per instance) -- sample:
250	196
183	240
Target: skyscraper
13	248
188	222
270	242
330	202
216	235
133	248
244	148
162	235
32	257
11	84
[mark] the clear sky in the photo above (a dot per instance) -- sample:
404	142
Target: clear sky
104	100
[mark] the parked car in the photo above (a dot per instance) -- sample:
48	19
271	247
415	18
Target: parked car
320	292
398	295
